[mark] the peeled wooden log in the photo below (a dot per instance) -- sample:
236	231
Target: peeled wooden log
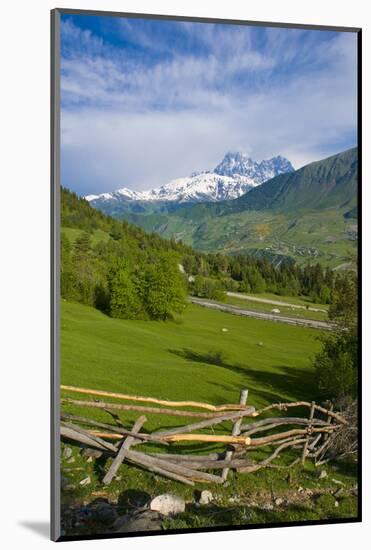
167	403
285	406
138	408
241	440
119	458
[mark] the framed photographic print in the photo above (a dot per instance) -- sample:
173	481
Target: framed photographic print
206	178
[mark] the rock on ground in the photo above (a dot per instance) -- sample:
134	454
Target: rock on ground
104	513
205	497
85	481
94	453
167	504
67	452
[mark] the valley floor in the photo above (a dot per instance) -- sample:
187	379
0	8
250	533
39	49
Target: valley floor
273	317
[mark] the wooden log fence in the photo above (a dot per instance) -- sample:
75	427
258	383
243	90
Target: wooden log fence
309	436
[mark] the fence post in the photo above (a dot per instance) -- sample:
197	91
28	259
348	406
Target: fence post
305	446
236	430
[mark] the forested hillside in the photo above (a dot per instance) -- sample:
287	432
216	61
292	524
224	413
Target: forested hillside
128	273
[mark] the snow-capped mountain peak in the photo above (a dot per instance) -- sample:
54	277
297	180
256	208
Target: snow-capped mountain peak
243	165
233	177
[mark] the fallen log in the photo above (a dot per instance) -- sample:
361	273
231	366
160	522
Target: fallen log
271	423
259	441
167	403
214	464
187	458
120	457
270	458
156	468
178	469
115	429
90	436
73	435
241	440
138	408
206	423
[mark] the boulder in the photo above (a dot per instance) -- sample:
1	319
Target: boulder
167	504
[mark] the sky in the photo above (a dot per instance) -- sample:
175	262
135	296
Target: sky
146	101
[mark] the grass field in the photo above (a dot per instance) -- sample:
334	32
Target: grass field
97	236
284	310
165	359
295	300
176	360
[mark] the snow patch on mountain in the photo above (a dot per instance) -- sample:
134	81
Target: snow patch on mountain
233	177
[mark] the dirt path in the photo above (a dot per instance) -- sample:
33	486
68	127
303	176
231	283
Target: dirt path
273	302
322	325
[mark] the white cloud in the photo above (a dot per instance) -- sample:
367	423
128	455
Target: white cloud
124	124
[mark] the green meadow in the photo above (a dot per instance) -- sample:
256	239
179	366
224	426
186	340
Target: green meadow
193	358
176	359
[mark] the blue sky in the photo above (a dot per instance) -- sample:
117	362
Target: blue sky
146	101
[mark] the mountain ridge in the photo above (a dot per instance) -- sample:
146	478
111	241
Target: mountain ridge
234	176
310	213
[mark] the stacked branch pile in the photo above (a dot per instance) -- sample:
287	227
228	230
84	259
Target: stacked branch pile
309	437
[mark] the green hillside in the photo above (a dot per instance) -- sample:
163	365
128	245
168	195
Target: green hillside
165	358
309	215
101	256
327	183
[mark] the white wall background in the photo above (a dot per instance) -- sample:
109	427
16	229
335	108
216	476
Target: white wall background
24	272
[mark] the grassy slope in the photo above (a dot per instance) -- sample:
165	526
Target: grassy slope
284	310
326	231
97	235
148	358
155	358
